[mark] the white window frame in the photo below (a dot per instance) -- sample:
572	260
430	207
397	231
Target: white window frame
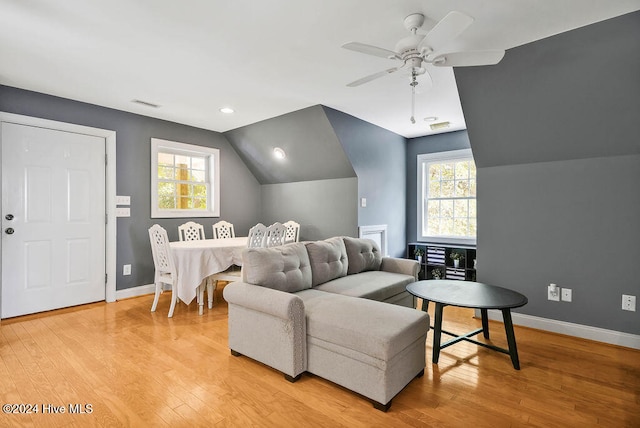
213	193
439	157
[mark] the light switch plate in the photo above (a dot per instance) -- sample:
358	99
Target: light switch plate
123	212
123	200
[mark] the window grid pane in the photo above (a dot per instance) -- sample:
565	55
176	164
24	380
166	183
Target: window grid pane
449	198
182	182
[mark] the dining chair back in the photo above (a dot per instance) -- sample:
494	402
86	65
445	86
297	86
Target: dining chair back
293	231
165	269
191	231
275	235
223	229
256	236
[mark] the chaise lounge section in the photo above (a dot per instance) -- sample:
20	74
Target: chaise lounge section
324	307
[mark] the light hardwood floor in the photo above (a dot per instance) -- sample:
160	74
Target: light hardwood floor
138	369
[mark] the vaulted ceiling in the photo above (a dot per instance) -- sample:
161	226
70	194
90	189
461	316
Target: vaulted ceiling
263	59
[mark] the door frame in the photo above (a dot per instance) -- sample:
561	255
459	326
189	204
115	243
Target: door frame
110	186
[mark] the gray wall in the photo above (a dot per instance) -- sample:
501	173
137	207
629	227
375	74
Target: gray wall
378	157
315	185
324	146
240	191
324	208
574	223
417	146
312	148
554	131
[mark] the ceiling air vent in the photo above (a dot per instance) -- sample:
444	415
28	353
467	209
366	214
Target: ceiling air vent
145	103
439	125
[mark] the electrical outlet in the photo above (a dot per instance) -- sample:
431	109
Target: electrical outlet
126	270
628	303
553	292
566	294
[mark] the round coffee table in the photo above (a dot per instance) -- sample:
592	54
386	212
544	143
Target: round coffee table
469	294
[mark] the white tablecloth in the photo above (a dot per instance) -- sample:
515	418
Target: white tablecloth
196	260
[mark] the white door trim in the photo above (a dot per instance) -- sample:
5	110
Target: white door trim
110	183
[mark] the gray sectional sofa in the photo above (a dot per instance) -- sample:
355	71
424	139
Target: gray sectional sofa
334	308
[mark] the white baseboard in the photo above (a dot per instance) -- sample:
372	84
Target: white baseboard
140	290
570	329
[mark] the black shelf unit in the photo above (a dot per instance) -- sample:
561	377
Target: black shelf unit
437	258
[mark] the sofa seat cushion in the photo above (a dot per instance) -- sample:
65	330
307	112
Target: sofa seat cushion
374	285
284	268
338	323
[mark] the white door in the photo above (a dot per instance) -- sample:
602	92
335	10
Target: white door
53	219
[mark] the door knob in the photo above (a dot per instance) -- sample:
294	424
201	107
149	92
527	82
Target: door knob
9	230
9	216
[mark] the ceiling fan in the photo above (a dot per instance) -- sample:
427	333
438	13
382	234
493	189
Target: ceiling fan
417	49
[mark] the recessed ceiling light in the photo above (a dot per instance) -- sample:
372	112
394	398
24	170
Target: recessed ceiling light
430	118
227	110
439	125
279	153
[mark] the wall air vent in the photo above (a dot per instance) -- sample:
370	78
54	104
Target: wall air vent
146	103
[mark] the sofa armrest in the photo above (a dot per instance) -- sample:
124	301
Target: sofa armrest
262	299
267	325
397	265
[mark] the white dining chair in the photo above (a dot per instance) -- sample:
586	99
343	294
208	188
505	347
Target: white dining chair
256	236
275	235
165	268
223	229
232	274
293	231
191	231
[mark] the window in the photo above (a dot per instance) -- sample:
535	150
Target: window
447	197
185	180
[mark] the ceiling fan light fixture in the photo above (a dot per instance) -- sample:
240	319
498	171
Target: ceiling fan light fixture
440	125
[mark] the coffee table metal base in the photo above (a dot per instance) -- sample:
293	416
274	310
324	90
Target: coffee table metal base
437	333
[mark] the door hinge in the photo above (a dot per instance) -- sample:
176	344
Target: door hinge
106	275
106	159
106	218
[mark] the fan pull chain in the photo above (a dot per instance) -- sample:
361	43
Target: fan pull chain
413	104
413	84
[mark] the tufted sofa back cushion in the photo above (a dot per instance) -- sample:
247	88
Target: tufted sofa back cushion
328	260
364	254
284	268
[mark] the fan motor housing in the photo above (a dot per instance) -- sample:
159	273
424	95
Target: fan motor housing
408	44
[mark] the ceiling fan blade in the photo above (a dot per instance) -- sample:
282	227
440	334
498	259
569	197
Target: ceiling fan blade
371	50
467	59
372	77
449	27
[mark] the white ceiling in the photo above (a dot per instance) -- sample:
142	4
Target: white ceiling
263	58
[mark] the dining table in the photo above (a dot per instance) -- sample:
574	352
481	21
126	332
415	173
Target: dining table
196	260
